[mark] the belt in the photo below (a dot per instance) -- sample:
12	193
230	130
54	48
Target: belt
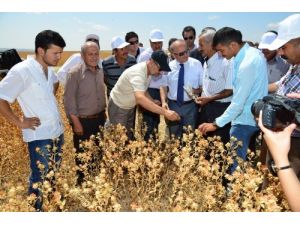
97	115
184	103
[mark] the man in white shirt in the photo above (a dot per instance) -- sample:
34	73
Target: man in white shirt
186	74
151	120
75	59
277	66
32	83
217	85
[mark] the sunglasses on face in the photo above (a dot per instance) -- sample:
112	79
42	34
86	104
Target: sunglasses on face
133	42
180	53
190	38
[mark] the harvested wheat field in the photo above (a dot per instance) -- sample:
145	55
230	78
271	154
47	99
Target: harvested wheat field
163	175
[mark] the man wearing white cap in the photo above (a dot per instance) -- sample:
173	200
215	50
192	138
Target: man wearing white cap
75	59
277	66
114	66
151	120
288	44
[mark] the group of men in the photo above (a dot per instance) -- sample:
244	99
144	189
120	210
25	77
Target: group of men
213	91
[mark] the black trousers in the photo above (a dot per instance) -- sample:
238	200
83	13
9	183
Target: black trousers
90	127
209	113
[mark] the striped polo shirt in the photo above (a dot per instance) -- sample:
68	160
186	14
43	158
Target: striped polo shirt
112	70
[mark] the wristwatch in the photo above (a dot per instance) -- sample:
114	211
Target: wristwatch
215	124
276	169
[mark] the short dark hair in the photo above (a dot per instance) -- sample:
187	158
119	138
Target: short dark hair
226	35
188	29
47	37
130	35
171	40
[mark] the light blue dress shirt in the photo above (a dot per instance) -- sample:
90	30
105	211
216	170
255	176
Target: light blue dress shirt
250	83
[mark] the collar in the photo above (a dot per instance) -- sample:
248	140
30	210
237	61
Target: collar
86	68
241	54
212	59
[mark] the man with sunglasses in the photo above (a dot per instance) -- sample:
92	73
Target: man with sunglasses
186	74
133	49
75	59
131	90
151	119
189	35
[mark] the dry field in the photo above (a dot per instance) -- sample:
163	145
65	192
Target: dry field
159	175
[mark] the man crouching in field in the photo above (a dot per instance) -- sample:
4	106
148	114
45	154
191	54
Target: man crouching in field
33	83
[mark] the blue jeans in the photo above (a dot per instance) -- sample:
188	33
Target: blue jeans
49	151
242	133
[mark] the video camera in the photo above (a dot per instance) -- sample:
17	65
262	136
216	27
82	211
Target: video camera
277	111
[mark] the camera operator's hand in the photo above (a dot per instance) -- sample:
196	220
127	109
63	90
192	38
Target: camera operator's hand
293	95
278	142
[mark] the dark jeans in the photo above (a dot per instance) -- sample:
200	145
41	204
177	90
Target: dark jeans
90	127
150	119
187	113
209	113
43	151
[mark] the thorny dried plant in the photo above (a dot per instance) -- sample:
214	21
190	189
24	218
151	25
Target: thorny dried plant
162	174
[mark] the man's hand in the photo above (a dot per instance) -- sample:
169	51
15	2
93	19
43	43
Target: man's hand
171	115
278	142
207	127
157	102
30	123
202	100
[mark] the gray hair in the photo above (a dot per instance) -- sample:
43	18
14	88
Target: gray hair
208	35
88	44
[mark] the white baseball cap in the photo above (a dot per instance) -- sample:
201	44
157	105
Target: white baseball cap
156	36
266	40
118	42
288	29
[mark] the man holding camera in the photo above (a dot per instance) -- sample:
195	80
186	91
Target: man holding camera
288	45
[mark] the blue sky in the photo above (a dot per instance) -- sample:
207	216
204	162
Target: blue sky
18	30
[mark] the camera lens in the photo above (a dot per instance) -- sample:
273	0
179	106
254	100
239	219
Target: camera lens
256	107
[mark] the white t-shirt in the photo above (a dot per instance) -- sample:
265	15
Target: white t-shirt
133	79
27	83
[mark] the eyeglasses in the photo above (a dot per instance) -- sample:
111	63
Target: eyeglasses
134	42
190	38
180	53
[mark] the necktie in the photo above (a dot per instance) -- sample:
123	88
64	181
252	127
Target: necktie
180	85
